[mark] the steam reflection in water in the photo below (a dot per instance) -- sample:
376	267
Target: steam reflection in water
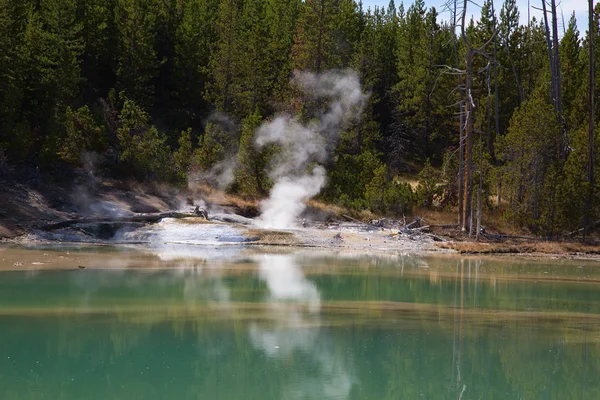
294	310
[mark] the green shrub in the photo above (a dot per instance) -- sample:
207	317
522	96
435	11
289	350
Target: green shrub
216	145
428	189
82	133
351	174
142	146
388	196
183	155
251	177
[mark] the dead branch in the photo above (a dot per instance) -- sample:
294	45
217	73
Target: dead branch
144	218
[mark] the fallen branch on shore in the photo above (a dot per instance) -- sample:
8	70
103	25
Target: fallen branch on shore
578	231
349	218
416	231
139	218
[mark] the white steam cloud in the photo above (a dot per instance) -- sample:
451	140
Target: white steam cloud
306	144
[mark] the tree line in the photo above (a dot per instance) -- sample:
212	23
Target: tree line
495	114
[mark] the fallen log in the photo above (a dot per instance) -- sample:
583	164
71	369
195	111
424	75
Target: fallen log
349	218
144	218
420	229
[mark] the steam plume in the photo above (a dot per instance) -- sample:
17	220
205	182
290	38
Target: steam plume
305	144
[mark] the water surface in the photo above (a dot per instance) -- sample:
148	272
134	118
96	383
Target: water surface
225	322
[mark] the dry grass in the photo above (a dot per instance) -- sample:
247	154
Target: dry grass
434	217
492	220
521	247
325	207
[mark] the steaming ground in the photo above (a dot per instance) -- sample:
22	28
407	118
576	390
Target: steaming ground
197	235
25	208
297	171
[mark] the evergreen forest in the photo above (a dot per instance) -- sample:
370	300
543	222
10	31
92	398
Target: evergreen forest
471	116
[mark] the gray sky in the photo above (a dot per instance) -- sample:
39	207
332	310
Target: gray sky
568	6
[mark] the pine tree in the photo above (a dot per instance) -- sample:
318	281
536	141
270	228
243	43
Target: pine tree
535	68
168	17
13	19
137	63
282	16
143	148
82	134
196	36
376	62
348	27
51	49
572	69
315	38
528	151
183	156
226	57
509	45
251	174
98	59
253	72
422	104
410	91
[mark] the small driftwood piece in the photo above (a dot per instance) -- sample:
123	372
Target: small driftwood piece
421	229
353	219
580	230
416	231
143	218
412	227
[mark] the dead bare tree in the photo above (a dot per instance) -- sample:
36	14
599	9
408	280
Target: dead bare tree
556	59
555	77
496	101
466	211
466	106
550	53
590	164
453	7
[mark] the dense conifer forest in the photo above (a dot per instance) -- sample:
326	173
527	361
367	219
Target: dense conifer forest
491	114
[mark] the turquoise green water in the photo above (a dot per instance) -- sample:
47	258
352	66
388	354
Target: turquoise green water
283	326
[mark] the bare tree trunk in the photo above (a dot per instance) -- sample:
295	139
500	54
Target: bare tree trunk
488	134
549	45
557	78
468	167
591	141
556	59
464	205
496	108
461	163
499	194
461	117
